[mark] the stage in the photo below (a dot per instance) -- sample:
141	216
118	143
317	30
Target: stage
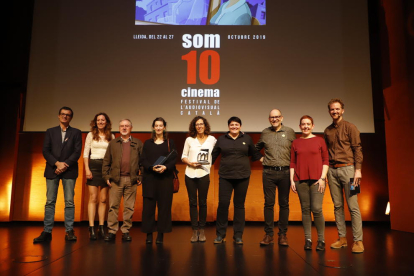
387	252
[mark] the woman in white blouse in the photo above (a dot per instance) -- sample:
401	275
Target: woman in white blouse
95	147
197	156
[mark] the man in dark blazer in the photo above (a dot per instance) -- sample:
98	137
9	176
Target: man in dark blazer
61	148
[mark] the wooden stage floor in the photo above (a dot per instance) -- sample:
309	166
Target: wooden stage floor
387	252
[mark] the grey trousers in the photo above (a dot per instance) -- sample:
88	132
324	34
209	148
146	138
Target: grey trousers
311	201
116	192
339	179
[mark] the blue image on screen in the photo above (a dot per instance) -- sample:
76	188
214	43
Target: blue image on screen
241	12
196	12
173	12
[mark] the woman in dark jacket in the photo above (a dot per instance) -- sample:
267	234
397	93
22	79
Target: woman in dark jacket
157	184
235	148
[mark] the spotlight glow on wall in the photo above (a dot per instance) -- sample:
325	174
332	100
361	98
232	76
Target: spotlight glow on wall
387	210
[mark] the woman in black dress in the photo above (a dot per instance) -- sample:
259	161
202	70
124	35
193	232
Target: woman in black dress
157	184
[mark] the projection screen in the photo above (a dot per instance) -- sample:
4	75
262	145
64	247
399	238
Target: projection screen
178	59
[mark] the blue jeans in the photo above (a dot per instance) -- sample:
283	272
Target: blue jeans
52	186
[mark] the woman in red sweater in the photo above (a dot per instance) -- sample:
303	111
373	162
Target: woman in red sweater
309	165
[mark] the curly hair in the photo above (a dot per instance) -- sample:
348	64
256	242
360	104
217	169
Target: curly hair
336	101
165	134
107	129
192	131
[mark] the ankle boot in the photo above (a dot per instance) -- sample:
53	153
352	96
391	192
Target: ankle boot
201	236
339	243
92	235
100	232
308	244
44	237
194	237
160	238
149	238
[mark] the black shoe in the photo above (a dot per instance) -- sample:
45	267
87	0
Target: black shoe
70	235
92	235
308	244
320	246
219	239
44	237
149	238
160	238
110	237
238	241
126	237
100	232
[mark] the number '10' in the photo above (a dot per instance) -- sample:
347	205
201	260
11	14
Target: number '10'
206	76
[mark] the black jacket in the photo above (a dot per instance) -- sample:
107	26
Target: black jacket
69	151
150	153
235	163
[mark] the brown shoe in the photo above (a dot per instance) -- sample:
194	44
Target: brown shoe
267	240
283	240
358	247
194	237
201	236
339	243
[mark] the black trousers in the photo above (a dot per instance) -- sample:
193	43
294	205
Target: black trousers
200	185
271	180
226	187
162	199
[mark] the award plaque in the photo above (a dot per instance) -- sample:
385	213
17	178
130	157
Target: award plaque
202	157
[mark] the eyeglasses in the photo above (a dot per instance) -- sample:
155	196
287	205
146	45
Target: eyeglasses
65	115
197	125
275	117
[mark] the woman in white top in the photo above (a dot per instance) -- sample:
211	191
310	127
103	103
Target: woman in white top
197	156
95	147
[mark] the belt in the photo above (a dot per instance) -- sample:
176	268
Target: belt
341	165
277	168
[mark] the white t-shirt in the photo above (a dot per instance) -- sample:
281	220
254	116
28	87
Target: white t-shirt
192	150
96	148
